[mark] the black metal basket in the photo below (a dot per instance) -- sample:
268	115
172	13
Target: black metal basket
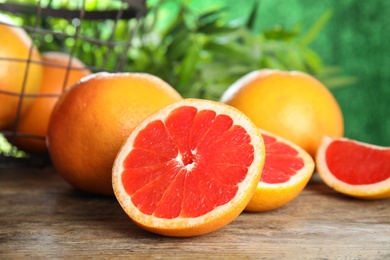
112	50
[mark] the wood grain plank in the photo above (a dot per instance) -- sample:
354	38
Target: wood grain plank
41	216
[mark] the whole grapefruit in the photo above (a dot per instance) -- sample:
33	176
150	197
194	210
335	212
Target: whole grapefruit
293	105
91	121
56	78
15	47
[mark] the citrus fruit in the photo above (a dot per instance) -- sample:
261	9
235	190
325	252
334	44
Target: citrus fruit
14	53
354	168
56	78
287	170
189	169
293	105
91	121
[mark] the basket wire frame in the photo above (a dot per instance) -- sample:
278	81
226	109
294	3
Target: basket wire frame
128	9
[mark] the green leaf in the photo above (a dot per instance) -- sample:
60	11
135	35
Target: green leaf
188	66
312	60
330	70
316	28
294	59
338	82
210	16
228	51
250	24
177	48
272	62
330	77
176	26
280	34
214	29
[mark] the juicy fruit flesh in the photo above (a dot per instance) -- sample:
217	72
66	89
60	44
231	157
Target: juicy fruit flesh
187	165
356	164
281	161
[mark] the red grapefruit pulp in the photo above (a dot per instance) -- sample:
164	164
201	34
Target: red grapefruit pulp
287	170
345	159
355	168
282	161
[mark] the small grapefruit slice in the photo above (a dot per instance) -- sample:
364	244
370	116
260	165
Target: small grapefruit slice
354	168
189	169
287	170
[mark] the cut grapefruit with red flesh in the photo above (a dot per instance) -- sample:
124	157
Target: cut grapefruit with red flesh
287	170
189	169
354	168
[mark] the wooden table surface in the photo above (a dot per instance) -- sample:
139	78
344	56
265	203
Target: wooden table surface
42	217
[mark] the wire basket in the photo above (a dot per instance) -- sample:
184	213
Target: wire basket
101	32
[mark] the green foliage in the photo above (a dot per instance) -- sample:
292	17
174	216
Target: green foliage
202	54
7	150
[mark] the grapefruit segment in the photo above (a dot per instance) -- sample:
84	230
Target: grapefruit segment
287	170
200	125
178	126
354	168
189	169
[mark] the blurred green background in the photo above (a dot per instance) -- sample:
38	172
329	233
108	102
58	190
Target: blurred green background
200	47
357	39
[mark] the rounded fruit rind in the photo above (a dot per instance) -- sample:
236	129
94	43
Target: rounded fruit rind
13	73
91	121
56	78
293	105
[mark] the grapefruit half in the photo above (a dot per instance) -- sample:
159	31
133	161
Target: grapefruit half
354	168
189	169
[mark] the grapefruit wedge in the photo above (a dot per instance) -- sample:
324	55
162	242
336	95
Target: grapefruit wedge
354	168
287	170
189	169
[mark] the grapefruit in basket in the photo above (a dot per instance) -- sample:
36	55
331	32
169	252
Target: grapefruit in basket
354	168
15	47
287	170
91	121
189	169
293	105
56	78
